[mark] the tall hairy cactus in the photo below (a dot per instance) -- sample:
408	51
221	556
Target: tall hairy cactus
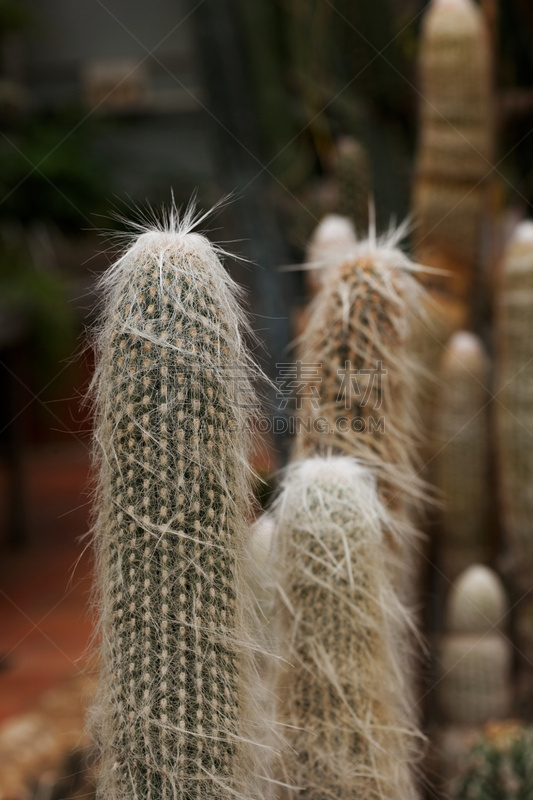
174	714
455	146
360	388
461	444
343	694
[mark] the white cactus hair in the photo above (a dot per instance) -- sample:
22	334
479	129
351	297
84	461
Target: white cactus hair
345	697
332	239
172	516
367	307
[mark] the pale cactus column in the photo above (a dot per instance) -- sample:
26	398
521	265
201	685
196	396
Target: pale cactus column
176	712
344	683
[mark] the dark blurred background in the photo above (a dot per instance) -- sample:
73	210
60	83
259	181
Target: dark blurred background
107	107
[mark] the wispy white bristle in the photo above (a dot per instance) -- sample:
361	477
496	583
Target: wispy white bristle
343	690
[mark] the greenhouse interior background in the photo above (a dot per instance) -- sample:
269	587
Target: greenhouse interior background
284	117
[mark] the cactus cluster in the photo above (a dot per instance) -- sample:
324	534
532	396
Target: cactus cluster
194	598
461	446
344	696
176	714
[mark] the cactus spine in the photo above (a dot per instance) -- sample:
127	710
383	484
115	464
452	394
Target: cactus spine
456	142
343	696
476	657
173	716
462	453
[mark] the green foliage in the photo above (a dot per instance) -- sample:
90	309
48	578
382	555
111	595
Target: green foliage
14	16
36	292
317	73
499	766
47	171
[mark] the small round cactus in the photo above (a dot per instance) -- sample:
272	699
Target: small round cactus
175	714
344	685
499	765
477	603
475	656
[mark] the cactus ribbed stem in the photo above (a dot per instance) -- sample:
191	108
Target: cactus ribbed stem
514	376
514	426
173	716
456	142
344	698
461	444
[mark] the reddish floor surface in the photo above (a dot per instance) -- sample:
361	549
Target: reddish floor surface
45	621
45	624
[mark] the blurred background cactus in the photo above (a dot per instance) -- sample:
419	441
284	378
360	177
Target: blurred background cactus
455	143
514	423
475	659
461	447
475	653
